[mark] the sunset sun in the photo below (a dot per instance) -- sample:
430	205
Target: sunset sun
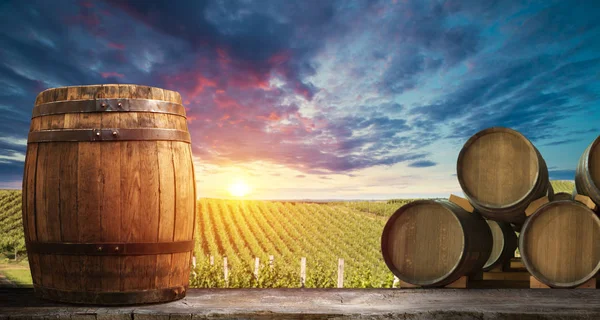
239	188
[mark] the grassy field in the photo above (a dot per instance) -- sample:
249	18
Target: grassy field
287	230
562	186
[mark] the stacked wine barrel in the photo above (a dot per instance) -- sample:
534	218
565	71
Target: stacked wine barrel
433	243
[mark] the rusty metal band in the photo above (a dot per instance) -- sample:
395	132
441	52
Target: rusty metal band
111	297
110	249
107	134
108	105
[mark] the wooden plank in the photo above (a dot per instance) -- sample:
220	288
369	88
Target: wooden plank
41	212
110	205
148	215
130	210
53	212
29	188
88	204
587	201
535	204
514	276
517	264
536	284
461	202
41	206
167	209
69	266
461	283
184	209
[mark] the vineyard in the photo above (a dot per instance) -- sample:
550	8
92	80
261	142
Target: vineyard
12	242
242	230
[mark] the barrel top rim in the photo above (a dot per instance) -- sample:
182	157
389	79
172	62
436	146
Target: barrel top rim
392	219
475	137
523	235
106	84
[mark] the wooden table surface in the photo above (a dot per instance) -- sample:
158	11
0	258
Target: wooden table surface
326	303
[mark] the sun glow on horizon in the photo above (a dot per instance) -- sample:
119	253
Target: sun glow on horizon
239	189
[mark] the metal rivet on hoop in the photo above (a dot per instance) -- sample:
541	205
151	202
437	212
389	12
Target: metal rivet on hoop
98	134
114	133
117	248
120	104
99	248
104	105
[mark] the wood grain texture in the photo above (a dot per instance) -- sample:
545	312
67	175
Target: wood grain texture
424	243
560	244
109	191
374	304
501	172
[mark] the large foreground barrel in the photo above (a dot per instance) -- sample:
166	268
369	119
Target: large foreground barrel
501	172
587	175
108	195
560	244
434	242
505	243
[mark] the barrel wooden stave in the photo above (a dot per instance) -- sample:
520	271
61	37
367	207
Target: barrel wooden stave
505	243
109	192
491	176
587	174
432	243
560	244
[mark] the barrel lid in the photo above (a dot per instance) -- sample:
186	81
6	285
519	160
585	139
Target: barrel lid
560	244
422	242
498	167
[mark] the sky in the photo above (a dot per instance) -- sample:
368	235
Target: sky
319	99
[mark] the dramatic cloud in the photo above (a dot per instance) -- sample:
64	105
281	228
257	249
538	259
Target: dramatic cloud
321	88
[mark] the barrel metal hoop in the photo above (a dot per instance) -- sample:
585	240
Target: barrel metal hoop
108	105
110	249
108	134
112	297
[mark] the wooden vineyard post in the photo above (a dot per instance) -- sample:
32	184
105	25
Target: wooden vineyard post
225	272
396	282
302	271
194	265
340	279
256	266
271	258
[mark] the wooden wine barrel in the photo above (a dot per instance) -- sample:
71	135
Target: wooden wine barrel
109	195
432	243
587	175
562	196
501	173
560	244
504	245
